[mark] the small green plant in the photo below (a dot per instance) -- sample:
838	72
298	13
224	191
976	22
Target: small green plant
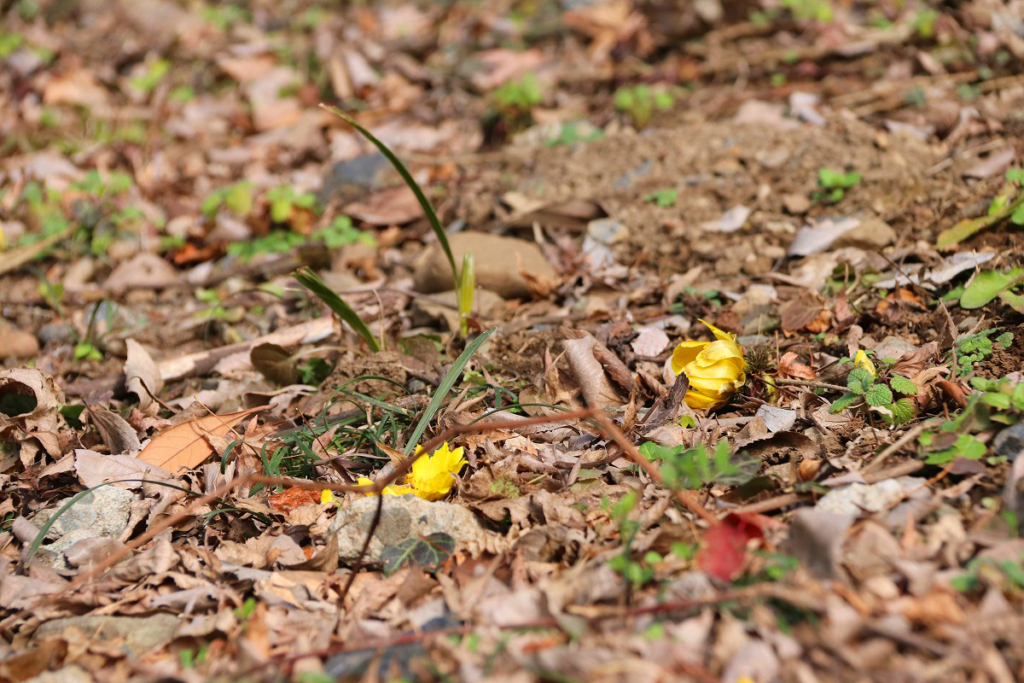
924	23
512	103
1003	396
341	232
1007	204
976	347
877	392
664	198
1007	575
467	289
311	281
284	200
637	573
694	468
152	77
236	198
225	16
9	42
639	102
834	184
809	10
569	134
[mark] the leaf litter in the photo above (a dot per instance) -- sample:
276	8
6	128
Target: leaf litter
227	320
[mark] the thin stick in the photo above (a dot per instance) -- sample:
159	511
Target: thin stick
807	383
894	447
685	497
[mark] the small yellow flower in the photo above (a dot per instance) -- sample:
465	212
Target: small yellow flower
431	475
715	369
861	360
327	497
389	490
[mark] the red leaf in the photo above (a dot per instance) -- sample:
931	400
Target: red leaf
291	498
725	545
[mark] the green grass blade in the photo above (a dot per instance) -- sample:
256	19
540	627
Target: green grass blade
428	208
311	281
450	378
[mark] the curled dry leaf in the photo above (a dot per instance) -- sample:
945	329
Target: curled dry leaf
187	444
117	434
791	366
142	375
597	390
31	400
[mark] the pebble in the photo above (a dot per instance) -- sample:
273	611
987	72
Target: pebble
607	230
870	234
796	204
15	343
500	262
1009	443
402	518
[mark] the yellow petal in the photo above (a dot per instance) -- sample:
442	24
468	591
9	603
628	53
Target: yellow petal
701	402
719	334
431	476
685	353
327	497
861	360
389	490
726	369
720	350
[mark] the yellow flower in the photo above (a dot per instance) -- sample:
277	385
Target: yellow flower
715	369
861	360
389	490
327	497
431	475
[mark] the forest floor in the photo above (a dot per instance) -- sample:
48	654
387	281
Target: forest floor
830	188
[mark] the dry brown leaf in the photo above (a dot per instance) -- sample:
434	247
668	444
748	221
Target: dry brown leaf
790	366
142	376
186	445
597	390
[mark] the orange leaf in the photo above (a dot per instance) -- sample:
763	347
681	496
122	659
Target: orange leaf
790	366
186	445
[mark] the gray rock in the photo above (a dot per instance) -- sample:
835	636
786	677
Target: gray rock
1009	443
402	518
857	499
135	635
500	262
102	512
607	230
349	180
56	333
870	234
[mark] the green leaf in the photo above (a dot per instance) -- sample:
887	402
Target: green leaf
903	411
987	285
452	376
311	281
902	385
859	381
467	290
428	209
655	451
969	226
843	402
878	395
427	552
1014	301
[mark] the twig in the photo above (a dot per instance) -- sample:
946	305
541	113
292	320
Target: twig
894	447
684	496
786	382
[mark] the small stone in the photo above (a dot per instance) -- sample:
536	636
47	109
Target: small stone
870	234
796	204
607	230
1009	443
102	512
500	264
15	343
402	518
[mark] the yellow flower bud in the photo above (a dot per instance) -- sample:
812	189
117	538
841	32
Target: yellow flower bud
861	360
715	369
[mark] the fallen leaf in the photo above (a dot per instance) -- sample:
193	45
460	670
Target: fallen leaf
142	376
791	366
186	445
393	206
96	468
725	546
